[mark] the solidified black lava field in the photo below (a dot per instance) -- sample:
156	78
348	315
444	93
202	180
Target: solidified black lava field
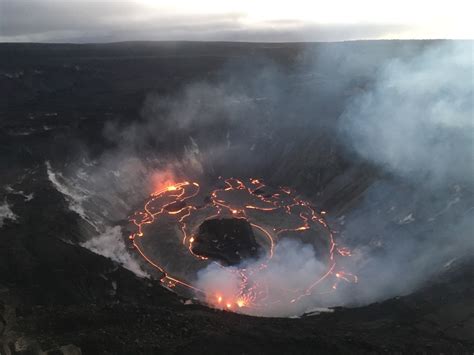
77	146
228	240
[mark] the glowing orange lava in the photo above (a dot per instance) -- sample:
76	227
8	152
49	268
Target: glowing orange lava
177	200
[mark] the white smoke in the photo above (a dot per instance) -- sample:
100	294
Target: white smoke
100	195
294	266
6	213
417	120
111	245
74	194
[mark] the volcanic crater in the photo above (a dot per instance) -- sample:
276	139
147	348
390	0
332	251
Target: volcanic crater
411	242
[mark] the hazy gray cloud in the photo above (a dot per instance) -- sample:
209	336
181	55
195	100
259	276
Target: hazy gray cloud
105	21
418	119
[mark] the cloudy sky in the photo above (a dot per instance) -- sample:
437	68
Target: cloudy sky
234	20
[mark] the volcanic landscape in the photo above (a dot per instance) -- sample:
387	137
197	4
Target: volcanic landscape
239	198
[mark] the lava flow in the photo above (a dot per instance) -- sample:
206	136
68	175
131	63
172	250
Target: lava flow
272	214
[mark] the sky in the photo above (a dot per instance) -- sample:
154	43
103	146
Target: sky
231	20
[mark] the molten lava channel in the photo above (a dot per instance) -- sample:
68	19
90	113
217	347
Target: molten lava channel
239	221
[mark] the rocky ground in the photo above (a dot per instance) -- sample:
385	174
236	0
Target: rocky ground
228	240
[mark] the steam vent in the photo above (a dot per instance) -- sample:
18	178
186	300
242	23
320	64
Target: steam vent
228	241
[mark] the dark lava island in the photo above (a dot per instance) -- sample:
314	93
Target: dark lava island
228	241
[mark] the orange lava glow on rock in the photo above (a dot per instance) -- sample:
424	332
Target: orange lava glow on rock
250	295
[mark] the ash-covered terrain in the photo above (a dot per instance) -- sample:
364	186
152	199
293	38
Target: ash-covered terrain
377	135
